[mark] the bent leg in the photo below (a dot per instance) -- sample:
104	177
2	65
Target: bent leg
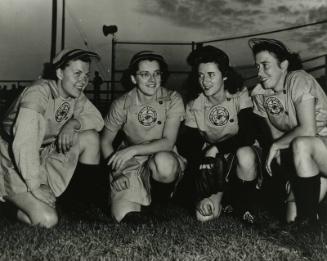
89	142
165	170
34	212
290	202
245	183
89	183
309	155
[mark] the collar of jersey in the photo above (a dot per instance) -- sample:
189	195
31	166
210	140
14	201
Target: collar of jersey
131	98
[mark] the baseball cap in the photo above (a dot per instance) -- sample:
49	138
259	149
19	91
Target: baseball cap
67	55
146	55
272	42
207	51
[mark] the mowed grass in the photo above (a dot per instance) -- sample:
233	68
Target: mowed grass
170	234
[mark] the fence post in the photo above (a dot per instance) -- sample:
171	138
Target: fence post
113	66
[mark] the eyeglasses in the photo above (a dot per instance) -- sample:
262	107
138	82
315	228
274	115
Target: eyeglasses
254	41
145	75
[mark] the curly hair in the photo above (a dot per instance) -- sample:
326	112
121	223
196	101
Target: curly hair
210	54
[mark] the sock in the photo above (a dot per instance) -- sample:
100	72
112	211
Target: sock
246	199
161	192
306	192
89	184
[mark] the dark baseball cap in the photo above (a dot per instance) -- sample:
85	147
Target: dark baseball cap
253	42
67	55
146	55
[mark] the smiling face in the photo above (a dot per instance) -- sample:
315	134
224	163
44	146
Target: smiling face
271	72
73	79
148	77
210	79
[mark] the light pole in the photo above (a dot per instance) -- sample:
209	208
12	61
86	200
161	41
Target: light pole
111	29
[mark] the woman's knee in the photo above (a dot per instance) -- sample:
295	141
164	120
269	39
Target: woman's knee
246	161
89	143
301	146
89	139
164	167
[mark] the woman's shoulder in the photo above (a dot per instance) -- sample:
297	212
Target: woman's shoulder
196	102
299	75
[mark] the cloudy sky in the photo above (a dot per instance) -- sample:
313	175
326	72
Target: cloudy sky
25	29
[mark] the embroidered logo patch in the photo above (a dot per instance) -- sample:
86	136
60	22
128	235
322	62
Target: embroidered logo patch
147	116
218	115
274	106
62	112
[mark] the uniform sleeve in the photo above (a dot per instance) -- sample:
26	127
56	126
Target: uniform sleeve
88	115
190	117
36	98
116	116
176	107
29	131
245	99
258	107
302	87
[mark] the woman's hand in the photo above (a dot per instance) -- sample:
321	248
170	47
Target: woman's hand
120	183
274	152
67	136
119	159
206	207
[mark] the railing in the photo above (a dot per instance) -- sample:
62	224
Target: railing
9	89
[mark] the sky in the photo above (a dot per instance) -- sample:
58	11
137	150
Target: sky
25	29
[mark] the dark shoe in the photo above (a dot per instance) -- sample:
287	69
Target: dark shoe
304	226
248	218
135	218
228	209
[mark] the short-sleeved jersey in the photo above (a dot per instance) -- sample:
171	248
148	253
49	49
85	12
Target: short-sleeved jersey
144	122
43	97
279	107
217	122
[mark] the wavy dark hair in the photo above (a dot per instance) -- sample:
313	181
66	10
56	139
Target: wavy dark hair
211	54
134	66
278	50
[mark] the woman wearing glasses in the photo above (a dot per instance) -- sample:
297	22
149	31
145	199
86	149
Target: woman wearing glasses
294	106
145	166
222	115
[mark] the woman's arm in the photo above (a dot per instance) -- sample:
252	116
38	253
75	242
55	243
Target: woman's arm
107	139
306	124
166	143
29	130
306	127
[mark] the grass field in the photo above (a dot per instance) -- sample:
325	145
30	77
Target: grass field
171	234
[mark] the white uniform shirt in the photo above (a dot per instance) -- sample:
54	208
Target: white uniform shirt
279	107
217	122
140	122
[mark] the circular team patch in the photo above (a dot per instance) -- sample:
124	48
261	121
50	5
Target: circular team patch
274	105
218	115
62	111
147	116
